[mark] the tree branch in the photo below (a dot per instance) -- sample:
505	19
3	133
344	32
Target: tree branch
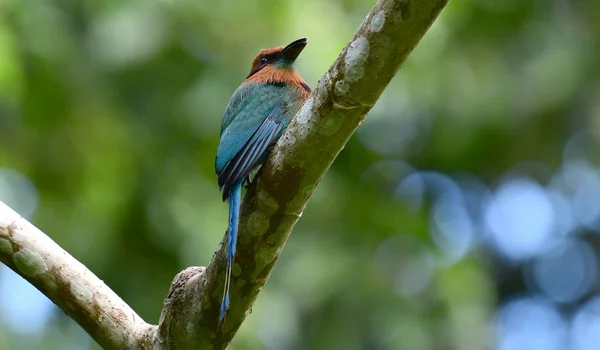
270	209
69	284
305	152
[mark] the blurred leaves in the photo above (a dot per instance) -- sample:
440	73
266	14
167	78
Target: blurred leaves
109	121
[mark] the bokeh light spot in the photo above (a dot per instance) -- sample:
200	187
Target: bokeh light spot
532	324
406	263
566	272
23	308
520	219
585	329
18	192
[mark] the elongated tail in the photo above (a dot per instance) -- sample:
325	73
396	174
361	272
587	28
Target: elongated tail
235	195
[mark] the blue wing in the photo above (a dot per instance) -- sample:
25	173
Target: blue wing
252	122
247	158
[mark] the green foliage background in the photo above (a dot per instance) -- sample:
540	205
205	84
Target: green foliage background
111	109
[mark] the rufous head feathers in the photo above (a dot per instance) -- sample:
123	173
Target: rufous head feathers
280	56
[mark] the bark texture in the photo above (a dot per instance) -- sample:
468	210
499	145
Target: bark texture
270	209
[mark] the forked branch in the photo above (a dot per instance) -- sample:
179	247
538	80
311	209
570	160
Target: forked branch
270	209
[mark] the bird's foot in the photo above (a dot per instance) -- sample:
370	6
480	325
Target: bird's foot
246	183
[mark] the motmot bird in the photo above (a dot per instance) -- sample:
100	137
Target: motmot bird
255	118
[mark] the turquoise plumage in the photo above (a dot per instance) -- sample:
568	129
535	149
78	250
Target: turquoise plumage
255	118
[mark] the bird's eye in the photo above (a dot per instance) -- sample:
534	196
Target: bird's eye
263	60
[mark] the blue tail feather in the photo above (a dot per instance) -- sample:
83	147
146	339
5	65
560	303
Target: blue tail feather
234	199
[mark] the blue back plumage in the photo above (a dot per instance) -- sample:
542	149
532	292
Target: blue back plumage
255	118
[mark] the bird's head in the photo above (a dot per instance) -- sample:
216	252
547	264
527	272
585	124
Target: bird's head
278	57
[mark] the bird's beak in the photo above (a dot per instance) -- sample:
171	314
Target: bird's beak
292	51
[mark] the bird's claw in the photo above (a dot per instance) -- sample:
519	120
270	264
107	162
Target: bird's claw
246	183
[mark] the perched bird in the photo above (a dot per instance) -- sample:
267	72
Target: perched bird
255	118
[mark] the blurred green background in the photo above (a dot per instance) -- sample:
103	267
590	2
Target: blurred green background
464	214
